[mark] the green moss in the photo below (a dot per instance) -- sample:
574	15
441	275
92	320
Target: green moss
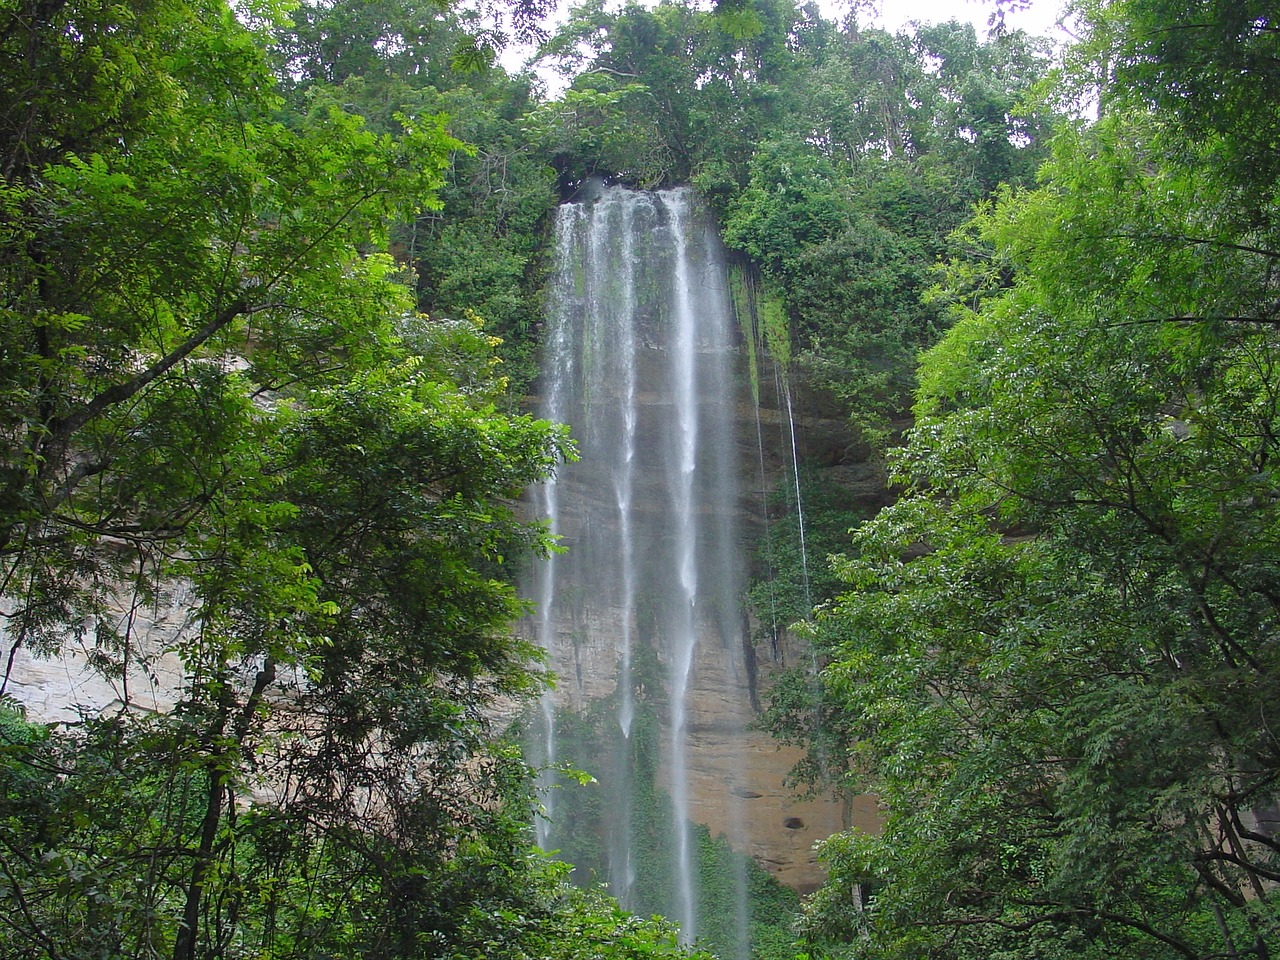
777	330
762	315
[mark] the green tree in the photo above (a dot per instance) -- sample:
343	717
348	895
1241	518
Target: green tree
482	253
673	94
215	380
95	826
477	251
1057	656
885	145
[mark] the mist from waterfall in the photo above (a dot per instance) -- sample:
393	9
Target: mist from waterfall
638	360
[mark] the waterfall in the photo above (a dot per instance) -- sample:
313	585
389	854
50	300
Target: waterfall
681	466
559	365
638	360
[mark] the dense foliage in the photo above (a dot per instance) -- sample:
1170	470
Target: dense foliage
1056	655
839	159
252	268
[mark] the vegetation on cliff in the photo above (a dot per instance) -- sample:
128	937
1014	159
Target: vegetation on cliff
255	273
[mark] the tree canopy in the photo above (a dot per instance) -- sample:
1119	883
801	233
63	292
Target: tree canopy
1055	653
217	381
269	275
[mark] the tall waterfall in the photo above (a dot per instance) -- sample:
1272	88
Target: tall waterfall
638	361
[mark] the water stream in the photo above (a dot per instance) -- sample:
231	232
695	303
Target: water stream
638	360
558	362
795	474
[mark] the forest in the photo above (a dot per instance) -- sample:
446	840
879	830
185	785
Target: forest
271	294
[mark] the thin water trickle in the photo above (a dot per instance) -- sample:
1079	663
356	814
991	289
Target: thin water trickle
819	752
795	473
774	626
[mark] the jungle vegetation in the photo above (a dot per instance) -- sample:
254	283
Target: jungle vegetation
270	295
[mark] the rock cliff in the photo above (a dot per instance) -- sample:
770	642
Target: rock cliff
681	442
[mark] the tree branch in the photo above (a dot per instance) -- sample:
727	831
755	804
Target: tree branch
64	427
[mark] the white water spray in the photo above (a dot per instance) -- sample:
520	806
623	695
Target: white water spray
638	361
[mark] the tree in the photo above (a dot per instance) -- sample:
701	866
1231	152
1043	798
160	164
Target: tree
676	94
214	380
1057	654
1210	67
94	827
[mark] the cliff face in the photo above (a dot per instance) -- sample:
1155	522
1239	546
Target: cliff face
623	644
736	776
647	364
805	432
64	688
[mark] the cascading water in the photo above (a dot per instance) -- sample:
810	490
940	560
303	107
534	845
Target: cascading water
638	361
681	465
559	363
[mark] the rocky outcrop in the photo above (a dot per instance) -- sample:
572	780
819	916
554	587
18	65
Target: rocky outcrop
136	670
